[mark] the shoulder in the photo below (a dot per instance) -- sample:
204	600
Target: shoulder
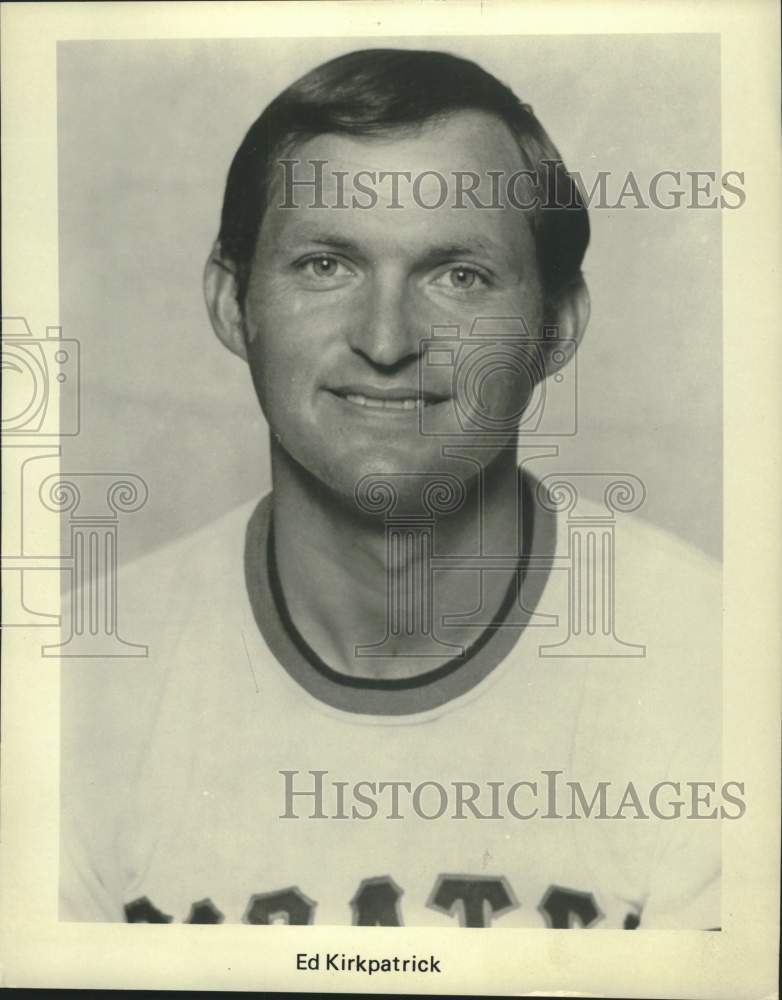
625	645
109	703
660	585
664	553
652	690
188	559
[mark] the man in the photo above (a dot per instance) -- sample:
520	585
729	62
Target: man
353	712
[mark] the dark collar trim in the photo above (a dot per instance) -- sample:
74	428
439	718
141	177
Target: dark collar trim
401	696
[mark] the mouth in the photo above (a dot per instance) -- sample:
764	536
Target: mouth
399	399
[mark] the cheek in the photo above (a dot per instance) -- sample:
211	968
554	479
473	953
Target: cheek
281	345
503	380
281	376
274	315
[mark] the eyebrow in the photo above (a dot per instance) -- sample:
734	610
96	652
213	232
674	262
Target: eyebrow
326	240
475	245
443	251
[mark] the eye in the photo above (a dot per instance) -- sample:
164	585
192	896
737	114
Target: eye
323	267
462	278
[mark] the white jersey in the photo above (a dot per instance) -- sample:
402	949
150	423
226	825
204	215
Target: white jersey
232	777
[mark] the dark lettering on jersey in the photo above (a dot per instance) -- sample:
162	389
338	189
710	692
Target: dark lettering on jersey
376	903
204	912
141	911
566	908
476	899
288	906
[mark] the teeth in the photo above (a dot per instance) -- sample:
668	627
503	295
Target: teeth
373	403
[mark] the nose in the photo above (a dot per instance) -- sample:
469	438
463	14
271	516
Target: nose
384	330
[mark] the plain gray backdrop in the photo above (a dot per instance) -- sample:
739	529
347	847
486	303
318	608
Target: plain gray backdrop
147	131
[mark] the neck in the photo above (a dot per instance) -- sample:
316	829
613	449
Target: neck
359	587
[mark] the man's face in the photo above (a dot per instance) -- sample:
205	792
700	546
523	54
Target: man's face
341	303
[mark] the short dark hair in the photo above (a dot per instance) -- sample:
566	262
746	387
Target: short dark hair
373	92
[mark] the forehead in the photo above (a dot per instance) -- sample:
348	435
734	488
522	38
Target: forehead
465	140
401	210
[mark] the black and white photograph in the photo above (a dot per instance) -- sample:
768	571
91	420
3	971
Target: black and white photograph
382	431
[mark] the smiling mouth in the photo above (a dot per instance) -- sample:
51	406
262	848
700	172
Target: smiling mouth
399	400
378	403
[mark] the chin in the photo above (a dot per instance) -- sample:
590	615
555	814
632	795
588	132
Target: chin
384	472
438	486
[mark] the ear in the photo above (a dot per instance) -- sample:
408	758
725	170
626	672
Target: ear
569	311
220	292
